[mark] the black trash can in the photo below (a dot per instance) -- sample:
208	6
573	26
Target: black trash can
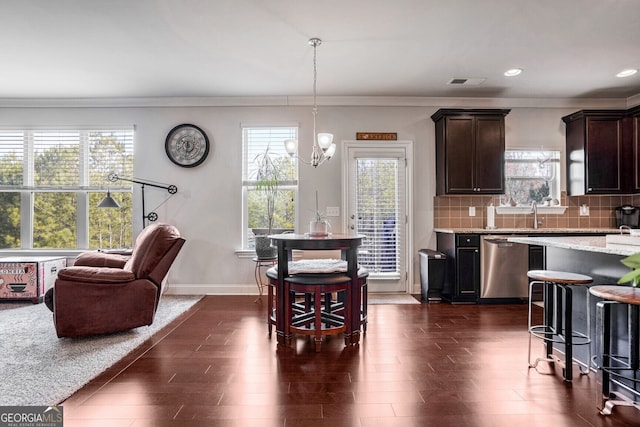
432	271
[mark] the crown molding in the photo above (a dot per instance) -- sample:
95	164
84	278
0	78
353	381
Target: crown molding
338	101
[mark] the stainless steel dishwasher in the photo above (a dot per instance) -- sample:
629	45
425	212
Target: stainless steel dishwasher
504	267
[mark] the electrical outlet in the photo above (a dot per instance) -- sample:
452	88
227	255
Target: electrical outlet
584	210
472	211
333	211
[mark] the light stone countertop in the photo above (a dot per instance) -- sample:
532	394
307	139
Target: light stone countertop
580	243
528	230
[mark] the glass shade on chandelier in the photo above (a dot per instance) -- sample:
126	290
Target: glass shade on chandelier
323	146
323	149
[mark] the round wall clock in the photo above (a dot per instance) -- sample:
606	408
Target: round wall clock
187	145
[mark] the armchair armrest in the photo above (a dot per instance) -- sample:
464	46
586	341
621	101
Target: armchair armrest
101	259
104	275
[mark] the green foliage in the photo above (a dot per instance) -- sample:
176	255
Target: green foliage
55	212
632	261
270	206
539	193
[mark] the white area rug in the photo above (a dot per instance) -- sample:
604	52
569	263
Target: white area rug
375	299
38	368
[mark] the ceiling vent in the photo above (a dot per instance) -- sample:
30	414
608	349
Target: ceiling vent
466	81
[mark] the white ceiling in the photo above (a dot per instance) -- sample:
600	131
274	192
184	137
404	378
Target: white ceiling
212	48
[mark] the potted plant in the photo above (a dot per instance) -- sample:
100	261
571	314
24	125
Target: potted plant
269	174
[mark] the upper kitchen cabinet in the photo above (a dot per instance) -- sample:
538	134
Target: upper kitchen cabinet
634	125
469	151
599	152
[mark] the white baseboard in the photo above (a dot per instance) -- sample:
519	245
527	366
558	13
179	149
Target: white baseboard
200	289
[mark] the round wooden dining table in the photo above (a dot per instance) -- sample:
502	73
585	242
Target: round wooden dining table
348	245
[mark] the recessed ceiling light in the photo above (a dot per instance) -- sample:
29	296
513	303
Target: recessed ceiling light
626	73
513	72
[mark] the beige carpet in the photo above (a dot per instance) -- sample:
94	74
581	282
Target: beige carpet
374	299
40	369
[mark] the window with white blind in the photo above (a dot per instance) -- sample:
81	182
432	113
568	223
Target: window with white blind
258	142
51	181
379	203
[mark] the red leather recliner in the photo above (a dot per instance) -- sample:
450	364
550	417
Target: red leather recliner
105	293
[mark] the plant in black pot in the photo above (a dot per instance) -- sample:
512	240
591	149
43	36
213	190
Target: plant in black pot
269	212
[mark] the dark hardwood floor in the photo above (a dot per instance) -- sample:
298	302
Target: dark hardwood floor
418	365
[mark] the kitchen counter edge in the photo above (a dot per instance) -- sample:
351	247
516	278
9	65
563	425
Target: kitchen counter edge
528	230
580	243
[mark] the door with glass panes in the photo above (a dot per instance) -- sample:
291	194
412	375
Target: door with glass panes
376	200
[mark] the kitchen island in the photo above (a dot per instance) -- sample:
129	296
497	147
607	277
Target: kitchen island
593	256
482	268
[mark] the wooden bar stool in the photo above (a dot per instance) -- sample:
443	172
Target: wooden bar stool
620	370
298	307
557	325
318	315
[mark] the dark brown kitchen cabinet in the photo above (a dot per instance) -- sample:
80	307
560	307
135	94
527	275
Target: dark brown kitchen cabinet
470	147
634	125
599	152
462	282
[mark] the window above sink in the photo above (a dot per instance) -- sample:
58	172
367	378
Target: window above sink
531	175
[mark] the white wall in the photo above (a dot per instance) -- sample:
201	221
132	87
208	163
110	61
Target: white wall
207	208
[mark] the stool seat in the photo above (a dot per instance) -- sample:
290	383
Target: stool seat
560	277
319	279
623	294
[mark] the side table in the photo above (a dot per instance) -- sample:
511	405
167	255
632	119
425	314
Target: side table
257	272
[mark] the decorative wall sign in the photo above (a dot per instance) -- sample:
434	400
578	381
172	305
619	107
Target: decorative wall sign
377	136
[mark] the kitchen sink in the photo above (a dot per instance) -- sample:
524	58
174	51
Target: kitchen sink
622	239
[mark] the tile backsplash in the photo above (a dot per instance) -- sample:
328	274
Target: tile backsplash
453	212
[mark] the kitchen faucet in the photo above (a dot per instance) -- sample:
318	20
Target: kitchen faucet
534	210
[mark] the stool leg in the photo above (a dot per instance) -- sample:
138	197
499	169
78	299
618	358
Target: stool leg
531	285
568	333
634	350
587	370
318	320
363	310
556	317
603	331
269	307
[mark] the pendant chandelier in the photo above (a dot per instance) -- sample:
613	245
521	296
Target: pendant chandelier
323	146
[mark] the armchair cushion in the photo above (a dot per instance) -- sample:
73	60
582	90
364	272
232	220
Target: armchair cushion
101	259
95	274
152	244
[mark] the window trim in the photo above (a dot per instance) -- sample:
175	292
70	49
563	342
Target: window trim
248	184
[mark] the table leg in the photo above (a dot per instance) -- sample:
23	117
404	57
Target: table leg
352	335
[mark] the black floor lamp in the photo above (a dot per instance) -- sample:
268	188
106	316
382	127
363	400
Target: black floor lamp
110	202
